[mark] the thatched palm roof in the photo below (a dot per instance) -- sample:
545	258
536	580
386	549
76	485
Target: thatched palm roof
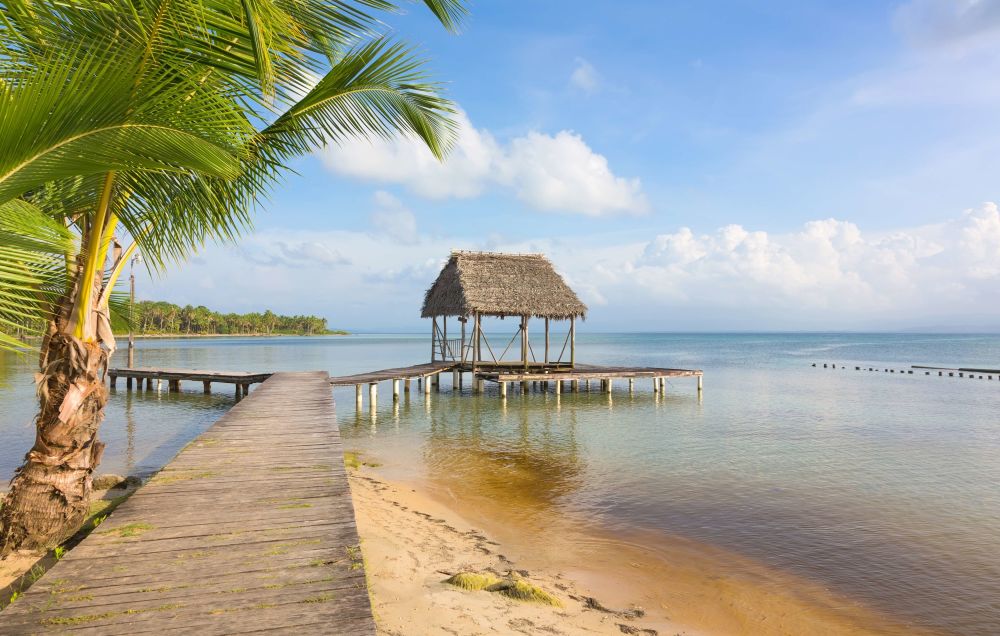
496	284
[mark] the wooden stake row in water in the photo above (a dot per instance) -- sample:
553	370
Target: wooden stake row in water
980	374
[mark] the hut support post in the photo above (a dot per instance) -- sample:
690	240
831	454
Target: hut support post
462	348
546	341
395	390
572	341
524	341
427	386
503	389
434	331
372	396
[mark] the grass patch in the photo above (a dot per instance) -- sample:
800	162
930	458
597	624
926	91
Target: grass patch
171	479
351	460
129	530
473	581
521	590
322	598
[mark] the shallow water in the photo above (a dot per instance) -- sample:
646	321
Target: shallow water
882	487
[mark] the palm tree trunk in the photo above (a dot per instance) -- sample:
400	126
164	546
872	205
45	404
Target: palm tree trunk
50	493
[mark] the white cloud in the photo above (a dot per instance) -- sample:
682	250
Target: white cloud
584	76
393	218
558	173
829	274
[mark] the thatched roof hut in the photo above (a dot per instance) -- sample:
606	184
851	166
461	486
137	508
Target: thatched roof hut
496	284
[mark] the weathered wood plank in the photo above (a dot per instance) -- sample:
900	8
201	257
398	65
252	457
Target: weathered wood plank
249	529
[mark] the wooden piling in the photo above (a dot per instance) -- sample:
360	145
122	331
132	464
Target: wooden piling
395	390
358	401
206	386
372	397
128	384
503	389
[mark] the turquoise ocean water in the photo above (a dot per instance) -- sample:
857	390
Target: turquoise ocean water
882	487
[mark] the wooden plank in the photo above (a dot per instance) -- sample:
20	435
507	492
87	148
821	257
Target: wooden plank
249	529
226	377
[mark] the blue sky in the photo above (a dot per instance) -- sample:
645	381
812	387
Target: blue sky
686	165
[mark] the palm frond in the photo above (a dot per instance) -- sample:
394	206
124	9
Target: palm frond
33	274
378	89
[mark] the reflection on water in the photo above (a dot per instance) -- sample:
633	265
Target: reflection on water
883	488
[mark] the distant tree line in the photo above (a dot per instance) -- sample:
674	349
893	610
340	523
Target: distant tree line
157	317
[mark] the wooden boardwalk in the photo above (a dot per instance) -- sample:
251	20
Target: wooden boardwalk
249	529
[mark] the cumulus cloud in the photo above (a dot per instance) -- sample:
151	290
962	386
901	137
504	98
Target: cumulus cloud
557	173
828	274
830	265
393	218
584	76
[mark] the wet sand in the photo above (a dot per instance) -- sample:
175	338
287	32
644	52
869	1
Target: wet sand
416	534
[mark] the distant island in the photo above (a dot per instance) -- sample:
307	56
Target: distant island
157	318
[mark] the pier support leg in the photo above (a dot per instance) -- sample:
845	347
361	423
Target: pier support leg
503	389
357	397
206	385
159	385
656	385
246	389
174	386
239	393
406	385
372	396
558	387
427	385
128	383
395	390
663	386
607	385
587	386
525	387
699	385
112	381
575	386
631	385
456	380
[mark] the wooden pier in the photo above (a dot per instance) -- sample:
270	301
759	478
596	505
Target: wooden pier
558	378
249	529
174	377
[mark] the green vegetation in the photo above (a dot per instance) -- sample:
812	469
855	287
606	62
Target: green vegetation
129	530
159	318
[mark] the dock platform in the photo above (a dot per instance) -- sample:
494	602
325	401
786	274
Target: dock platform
174	377
249	529
546	376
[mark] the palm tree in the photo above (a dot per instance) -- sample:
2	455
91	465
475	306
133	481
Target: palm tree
158	125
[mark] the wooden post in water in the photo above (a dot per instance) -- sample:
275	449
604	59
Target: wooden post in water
699	384
357	398
427	386
503	389
128	383
206	385
656	385
631	385
663	386
395	389
575	385
456	380
112	381
558	387
406	385
372	396
239	393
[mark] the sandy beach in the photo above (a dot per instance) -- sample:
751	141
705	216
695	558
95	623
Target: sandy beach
412	542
